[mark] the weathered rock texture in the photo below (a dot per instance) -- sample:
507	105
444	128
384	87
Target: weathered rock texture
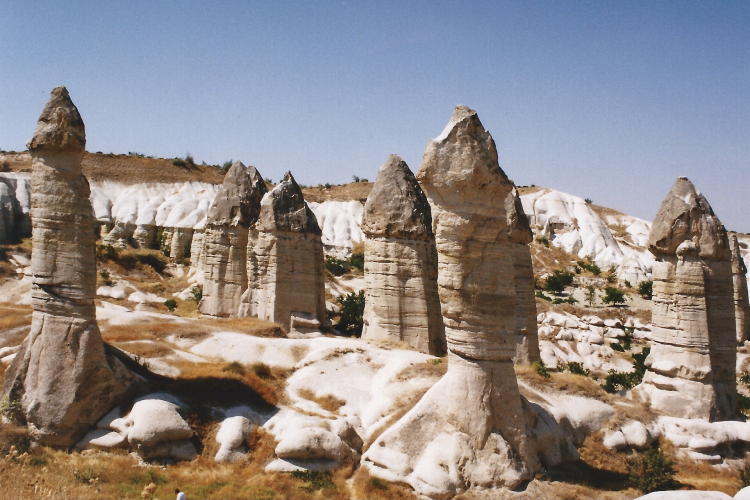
64	380
691	368
519	234
402	302
741	304
469	429
234	211
287	275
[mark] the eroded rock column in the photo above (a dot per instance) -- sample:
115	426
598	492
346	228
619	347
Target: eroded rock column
64	380
520	235
234	211
741	304
287	281
402	302
691	368
469	429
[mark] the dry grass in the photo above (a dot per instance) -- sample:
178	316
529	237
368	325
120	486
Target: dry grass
597	456
566	382
432	368
328	402
146	349
251	326
345	192
153	331
14	315
371	488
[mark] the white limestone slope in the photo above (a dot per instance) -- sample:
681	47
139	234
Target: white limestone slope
570	224
340	222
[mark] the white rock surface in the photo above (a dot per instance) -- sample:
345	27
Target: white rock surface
233	433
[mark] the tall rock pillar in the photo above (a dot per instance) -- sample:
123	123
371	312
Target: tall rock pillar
64	380
741	304
519	234
234	211
691	368
402	301
287	284
469	429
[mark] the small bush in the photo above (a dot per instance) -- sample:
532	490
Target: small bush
652	470
613	296
196	293
590	267
327	185
262	370
627	380
589	201
234	367
578	369
104	274
170	304
745	475
744	402
189	161
646	289
352	314
590	295
617	347
612	274
627	284
178	162
558	280
226	165
541	295
543	240
541	369
335	266
357	260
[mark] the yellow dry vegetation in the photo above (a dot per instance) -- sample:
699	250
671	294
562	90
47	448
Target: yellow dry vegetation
328	402
14	315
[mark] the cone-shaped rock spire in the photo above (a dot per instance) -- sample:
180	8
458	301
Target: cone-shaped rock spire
62	376
691	368
402	302
739	278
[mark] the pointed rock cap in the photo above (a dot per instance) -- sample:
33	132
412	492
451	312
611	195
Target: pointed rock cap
60	127
738	263
284	209
237	204
397	206
519	229
464	156
685	224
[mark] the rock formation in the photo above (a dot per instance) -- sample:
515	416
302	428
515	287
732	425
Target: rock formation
234	211
691	368
741	304
63	378
402	301
287	276
469	429
519	234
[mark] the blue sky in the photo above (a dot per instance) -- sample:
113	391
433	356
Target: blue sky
606	100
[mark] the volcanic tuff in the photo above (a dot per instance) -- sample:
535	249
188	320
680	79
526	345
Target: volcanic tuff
519	234
234	211
741	304
469	429
63	377
402	301
691	368
286	279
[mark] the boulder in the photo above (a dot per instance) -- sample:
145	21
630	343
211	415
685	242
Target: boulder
62	375
469	429
234	211
691	367
313	443
286	267
153	420
519	234
739	280
402	302
233	433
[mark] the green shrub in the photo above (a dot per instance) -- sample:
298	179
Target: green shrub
170	304
541	369
558	280
262	370
646	289
589	201
196	293
226	165
613	296
590	267
104	274
627	284
577	369
541	295
617	347
744	402
234	367
627	380
543	240
189	161
357	260
352	314
335	266
315	480
327	185
590	295
178	162
652	470
745	378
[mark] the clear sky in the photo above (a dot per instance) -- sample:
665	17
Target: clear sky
606	100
